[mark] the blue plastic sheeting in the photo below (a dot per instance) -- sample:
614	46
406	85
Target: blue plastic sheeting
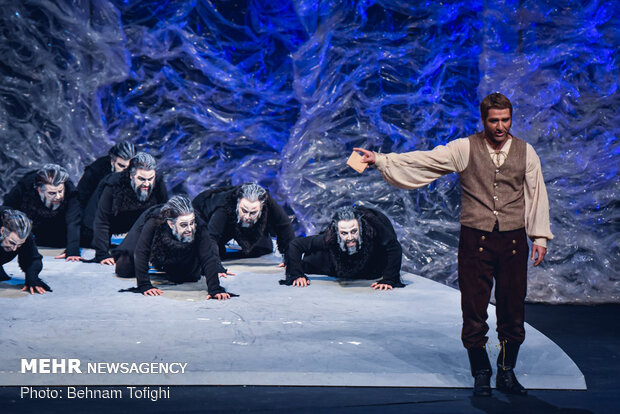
279	92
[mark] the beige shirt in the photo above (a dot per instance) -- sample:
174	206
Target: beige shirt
418	168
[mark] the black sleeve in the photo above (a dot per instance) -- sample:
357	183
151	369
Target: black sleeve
13	199
281	224
209	262
30	261
73	217
294	255
87	184
142	255
217	231
161	192
101	227
394	253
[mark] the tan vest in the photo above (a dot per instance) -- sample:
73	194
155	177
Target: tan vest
493	194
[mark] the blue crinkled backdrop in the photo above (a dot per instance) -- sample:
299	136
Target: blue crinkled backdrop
279	91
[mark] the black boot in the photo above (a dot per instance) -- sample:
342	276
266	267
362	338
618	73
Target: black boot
506	380
481	371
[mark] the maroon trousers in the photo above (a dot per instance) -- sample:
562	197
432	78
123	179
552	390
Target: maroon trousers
484	256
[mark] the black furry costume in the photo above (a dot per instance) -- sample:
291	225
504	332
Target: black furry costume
51	228
119	208
380	253
151	240
218	207
28	258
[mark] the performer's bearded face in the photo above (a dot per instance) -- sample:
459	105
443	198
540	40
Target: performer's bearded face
184	227
349	236
142	183
10	241
52	195
248	212
497	124
119	164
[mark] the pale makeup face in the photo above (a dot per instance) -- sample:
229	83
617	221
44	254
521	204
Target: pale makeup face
184	227
248	212
349	235
496	126
11	241
142	182
119	164
52	195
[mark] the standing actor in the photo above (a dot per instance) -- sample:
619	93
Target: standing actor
359	243
247	214
504	201
125	196
171	238
16	240
49	199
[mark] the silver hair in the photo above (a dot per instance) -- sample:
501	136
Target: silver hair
52	174
142	161
175	207
125	150
16	221
253	192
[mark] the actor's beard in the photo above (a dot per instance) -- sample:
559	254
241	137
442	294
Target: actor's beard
48	203
350	250
246	225
182	238
142	195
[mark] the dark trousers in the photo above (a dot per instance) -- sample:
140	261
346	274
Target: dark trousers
484	256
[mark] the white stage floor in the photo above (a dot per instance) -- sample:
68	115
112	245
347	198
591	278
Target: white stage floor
330	333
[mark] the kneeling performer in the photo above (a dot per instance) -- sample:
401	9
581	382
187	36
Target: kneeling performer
16	240
170	237
359	243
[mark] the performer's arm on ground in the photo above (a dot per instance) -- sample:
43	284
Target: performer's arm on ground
30	261
141	259
217	229
294	266
209	262
281	224
537	224
101	227
73	217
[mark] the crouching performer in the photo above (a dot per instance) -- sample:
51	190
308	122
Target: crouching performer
49	199
125	196
16	240
170	237
247	214
359	243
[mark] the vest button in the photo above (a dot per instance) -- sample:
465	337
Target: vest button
483	238
494	184
514	252
496	171
495	198
514	242
495	212
480	249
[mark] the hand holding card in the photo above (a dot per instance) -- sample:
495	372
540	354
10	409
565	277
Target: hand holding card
355	162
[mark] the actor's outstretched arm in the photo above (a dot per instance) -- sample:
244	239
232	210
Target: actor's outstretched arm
30	261
209	265
416	169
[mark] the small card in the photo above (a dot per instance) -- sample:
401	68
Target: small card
355	162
